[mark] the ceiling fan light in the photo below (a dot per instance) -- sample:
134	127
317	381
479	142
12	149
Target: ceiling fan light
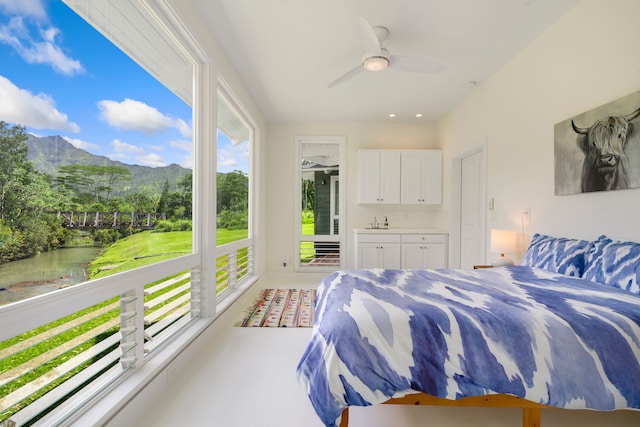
375	63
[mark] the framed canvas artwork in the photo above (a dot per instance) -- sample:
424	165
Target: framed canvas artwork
599	150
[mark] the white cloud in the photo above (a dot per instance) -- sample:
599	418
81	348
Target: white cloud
37	111
31	8
38	51
184	128
126	148
133	154
182	144
118	156
138	116
152	160
226	158
187	161
83	145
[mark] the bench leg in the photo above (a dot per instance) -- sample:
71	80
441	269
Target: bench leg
530	417
344	420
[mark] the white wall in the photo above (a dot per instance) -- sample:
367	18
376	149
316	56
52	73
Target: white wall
281	186
586	59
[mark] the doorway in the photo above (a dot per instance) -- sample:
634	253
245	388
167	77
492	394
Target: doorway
468	213
320	203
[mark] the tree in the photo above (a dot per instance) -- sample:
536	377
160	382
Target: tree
162	203
26	199
232	191
233	200
91	183
13	165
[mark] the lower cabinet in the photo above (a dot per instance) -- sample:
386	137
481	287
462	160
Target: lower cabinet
392	251
378	251
424	251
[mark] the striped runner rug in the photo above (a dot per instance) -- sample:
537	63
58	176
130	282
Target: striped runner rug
281	308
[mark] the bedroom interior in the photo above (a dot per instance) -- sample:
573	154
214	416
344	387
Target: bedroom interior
511	115
498	124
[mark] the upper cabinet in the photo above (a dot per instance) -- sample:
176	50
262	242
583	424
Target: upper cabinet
421	182
379	176
412	177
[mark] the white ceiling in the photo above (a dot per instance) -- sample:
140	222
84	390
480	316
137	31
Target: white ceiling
288	51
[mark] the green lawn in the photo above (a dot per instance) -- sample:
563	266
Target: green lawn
148	247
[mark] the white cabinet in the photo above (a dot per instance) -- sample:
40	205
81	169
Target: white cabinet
379	173
424	251
421	178
410	177
378	251
401	250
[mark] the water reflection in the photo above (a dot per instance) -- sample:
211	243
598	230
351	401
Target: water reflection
44	273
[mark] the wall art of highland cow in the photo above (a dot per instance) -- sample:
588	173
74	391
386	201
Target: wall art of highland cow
599	150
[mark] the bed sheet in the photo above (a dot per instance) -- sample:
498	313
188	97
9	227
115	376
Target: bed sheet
549	338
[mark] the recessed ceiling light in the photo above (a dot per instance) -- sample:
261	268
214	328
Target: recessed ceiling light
419	115
392	115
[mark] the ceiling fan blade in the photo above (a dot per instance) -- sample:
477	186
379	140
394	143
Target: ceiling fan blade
368	37
346	76
415	65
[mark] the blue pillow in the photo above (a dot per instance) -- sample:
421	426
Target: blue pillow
557	254
614	263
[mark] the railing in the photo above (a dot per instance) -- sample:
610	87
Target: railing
321	252
79	340
234	263
97	220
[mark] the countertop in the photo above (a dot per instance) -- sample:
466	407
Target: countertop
393	230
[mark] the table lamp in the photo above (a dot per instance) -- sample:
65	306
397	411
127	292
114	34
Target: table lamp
503	241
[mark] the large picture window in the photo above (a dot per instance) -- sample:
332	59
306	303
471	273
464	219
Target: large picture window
120	211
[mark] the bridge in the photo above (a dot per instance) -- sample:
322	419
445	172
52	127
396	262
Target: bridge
98	220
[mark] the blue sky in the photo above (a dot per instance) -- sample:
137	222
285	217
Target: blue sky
59	76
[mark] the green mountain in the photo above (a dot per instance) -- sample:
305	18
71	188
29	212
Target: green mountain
50	152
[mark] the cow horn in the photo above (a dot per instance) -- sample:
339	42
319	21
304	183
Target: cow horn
582	131
633	115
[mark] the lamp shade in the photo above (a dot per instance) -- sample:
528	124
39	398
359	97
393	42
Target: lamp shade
503	241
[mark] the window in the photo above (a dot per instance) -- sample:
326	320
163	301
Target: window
320	206
84	338
233	189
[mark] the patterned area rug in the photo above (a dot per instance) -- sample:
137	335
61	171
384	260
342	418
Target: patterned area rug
281	308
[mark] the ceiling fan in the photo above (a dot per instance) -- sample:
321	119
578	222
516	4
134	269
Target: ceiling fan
377	58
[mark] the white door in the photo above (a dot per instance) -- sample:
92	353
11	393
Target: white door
472	196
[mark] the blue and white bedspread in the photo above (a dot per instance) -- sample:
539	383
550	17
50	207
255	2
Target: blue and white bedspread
549	338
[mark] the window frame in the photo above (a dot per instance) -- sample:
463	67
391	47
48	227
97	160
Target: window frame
101	401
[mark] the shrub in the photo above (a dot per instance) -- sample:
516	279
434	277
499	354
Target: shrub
164	226
307	217
183	225
233	220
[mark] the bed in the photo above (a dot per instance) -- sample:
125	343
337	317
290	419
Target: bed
561	330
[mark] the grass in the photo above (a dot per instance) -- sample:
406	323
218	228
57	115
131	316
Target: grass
141	249
148	247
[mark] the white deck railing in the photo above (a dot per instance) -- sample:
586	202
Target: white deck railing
98	331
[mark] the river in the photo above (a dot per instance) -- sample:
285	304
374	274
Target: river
45	272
